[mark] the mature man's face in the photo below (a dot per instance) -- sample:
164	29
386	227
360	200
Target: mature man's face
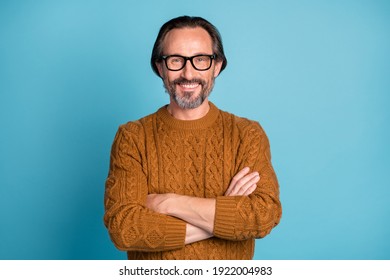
188	87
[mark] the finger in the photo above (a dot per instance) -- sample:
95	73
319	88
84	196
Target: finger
241	182
250	190
249	184
244	183
236	178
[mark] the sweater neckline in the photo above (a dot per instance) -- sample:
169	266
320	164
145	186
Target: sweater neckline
201	123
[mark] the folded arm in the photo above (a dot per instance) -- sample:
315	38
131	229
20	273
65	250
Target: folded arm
249	209
199	213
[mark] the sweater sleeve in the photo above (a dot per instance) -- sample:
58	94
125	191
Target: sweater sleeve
253	216
132	226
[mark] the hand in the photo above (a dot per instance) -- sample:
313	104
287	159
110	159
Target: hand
156	203
243	183
194	234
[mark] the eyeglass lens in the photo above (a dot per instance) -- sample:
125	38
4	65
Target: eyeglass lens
199	62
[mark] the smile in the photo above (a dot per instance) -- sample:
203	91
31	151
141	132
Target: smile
189	86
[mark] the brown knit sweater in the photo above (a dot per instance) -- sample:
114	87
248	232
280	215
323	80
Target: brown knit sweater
161	154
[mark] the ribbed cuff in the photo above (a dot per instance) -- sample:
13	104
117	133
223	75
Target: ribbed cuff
225	217
175	234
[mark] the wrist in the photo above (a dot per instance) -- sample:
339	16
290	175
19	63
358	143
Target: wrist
169	204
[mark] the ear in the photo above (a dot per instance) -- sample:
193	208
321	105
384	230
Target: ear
159	68
217	68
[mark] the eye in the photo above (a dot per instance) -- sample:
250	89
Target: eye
175	59
201	58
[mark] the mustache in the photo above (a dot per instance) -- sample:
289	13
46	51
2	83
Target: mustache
192	81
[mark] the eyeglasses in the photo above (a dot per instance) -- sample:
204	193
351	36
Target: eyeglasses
200	62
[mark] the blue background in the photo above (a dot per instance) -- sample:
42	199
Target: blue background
315	74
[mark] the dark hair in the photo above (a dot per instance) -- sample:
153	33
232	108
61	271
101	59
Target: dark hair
192	22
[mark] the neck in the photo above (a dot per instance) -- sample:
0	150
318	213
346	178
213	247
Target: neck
188	114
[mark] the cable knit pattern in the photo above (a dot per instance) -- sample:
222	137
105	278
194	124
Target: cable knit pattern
160	154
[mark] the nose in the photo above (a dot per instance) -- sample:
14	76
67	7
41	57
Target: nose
188	72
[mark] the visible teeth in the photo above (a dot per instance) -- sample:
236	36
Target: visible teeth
189	85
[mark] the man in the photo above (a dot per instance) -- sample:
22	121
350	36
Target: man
190	181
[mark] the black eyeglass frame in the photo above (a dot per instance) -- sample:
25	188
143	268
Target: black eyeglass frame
190	58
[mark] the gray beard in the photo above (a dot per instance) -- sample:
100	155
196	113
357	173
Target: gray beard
186	101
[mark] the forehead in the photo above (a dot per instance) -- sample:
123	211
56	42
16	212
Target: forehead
187	42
